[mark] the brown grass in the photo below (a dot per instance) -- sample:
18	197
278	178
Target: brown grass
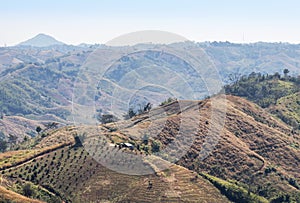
9	195
250	141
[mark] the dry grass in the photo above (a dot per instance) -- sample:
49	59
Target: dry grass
250	141
15	158
56	140
8	195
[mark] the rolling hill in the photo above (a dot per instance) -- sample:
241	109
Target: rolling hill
255	155
38	82
240	147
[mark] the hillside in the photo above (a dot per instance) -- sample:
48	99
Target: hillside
69	173
278	94
16	125
37	82
256	153
242	148
254	148
10	196
288	109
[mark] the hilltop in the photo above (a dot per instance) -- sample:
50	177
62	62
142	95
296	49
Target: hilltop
41	40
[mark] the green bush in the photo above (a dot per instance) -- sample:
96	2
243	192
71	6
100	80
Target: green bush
156	145
27	190
234	192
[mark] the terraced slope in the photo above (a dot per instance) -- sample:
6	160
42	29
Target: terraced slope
72	174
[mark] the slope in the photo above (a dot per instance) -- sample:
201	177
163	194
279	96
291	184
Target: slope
10	196
288	109
72	174
253	148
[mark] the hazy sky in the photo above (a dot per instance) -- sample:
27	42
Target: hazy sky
99	21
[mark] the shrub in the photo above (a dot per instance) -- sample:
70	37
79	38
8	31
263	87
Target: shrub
156	145
27	190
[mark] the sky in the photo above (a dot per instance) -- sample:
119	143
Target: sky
98	21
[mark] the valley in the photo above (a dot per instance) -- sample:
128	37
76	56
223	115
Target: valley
140	134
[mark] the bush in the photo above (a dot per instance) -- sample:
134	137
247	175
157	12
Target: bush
145	139
107	118
27	190
156	145
168	101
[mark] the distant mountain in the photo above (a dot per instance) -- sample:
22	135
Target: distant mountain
85	45
41	40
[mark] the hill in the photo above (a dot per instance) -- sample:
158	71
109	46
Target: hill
69	173
38	91
277	94
254	147
288	109
37	82
41	40
15	125
254	155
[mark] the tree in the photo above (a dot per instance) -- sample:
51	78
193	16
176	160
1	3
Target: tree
3	145
147	107
234	78
78	141
51	125
285	72
130	114
156	145
28	190
12	139
107	118
144	108
276	75
38	129
145	139
168	101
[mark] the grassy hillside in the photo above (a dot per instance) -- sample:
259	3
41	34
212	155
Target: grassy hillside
278	94
288	109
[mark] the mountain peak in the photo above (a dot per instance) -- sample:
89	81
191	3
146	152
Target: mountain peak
41	40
